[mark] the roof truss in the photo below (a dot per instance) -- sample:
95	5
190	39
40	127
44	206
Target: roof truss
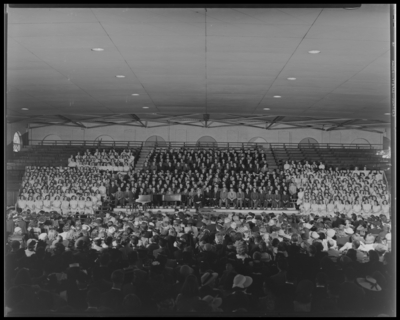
154	120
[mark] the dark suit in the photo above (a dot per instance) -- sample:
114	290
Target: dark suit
198	201
247	200
207	198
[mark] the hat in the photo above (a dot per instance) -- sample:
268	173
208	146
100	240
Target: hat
380	247
271	222
314	235
185	270
388	237
281	233
265	257
208	278
369	283
330	233
349	230
369	239
43	236
233	225
31	241
17	229
239	281
307	225
248	282
42	219
213	302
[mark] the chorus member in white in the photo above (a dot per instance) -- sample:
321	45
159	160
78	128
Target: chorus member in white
89	206
340	206
385	208
73	205
306	207
65	205
56	206
300	196
30	203
366	207
47	204
314	207
38	204
330	208
376	209
348	209
21	203
81	204
322	210
126	167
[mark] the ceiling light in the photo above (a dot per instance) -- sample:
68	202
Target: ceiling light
314	51
266	109
351	8
25	109
291	78
387	114
97	49
135	94
277	97
120	76
145	107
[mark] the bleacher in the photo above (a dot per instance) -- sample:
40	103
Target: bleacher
342	158
46	155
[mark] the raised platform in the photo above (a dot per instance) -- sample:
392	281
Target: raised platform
216	211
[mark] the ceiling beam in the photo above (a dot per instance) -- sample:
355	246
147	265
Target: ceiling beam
70	120
45	124
342	124
167	117
297	127
237	124
369	130
314	120
277	119
102	117
167	124
176	122
134	116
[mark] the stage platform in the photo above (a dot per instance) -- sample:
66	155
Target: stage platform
214	211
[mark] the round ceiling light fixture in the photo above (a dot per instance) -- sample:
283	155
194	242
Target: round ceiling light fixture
97	49
267	109
387	114
314	51
291	78
277	97
24	109
145	107
350	8
120	76
135	94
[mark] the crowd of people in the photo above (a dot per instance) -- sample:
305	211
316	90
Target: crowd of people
64	255
207	178
103	160
154	262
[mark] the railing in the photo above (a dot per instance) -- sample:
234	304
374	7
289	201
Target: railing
201	145
326	146
87	143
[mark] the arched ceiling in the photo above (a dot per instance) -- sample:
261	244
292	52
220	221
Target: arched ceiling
185	63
